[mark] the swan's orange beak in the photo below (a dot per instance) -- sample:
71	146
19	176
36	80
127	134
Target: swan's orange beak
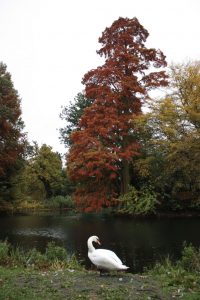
98	242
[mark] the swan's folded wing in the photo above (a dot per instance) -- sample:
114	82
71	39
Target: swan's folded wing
106	259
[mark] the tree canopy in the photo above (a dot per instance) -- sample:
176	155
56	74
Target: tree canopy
11	125
105	143
12	138
71	114
43	172
171	136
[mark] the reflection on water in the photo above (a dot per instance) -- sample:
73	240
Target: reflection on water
43	232
138	242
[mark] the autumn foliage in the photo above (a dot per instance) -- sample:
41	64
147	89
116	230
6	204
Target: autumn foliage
11	125
104	145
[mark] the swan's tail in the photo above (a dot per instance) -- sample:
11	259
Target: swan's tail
123	267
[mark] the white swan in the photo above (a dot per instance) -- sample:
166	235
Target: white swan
102	258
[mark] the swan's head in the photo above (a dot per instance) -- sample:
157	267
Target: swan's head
94	239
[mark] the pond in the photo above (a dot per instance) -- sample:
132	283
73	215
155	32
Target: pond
138	242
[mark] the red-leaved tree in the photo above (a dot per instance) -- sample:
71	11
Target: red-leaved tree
104	145
12	140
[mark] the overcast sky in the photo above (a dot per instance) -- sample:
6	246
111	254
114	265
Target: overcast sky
48	45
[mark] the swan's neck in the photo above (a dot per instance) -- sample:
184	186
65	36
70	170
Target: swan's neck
90	246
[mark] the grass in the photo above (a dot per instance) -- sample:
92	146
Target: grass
20	283
53	275
181	278
55	257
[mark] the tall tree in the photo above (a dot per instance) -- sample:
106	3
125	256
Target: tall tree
12	138
11	125
103	148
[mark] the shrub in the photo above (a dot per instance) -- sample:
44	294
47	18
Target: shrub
17	256
4	252
60	202
73	263
36	259
190	258
184	274
136	202
54	252
55	257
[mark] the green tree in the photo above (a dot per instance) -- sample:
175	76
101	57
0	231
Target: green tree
44	173
71	114
171	134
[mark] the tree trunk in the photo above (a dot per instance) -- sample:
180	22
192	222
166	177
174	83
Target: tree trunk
47	187
125	177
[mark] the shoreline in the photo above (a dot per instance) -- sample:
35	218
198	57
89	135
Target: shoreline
72	213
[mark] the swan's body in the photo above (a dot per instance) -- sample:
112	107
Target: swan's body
102	258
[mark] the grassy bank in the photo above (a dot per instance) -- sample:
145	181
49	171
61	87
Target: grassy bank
75	284
181	278
55	275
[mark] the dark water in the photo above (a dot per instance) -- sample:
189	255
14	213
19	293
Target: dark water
138	242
